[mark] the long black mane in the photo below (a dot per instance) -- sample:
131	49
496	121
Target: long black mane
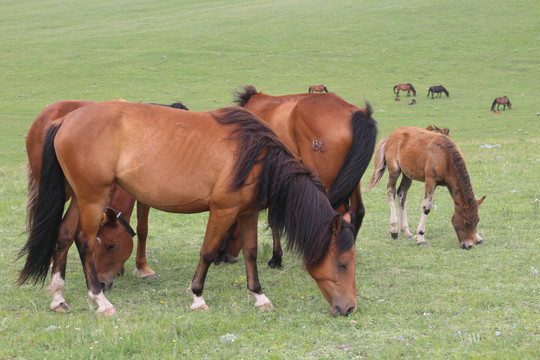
295	198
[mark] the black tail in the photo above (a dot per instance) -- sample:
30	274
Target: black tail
412	88
357	160
429	91
493	105
395	89
309	90
50	207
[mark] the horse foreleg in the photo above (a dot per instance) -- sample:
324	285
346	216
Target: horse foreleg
219	222
277	252
142	270
358	208
402	211
426	208
391	188
90	220
247	226
67	232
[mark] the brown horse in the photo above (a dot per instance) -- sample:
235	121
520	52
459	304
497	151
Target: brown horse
331	136
435	160
404	87
317	88
115	242
444	131
225	161
504	101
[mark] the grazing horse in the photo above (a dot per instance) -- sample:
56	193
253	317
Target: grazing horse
444	131
317	88
115	242
438	90
435	160
404	87
501	101
331	136
226	161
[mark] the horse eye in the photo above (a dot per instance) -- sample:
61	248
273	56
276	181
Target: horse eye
110	247
342	266
467	224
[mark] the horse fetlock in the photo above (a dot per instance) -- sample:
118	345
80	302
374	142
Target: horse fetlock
261	301
407	233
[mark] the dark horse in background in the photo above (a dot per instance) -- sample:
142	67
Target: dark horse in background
501	101
234	167
404	87
439	89
317	88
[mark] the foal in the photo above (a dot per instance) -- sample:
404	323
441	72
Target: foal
435	160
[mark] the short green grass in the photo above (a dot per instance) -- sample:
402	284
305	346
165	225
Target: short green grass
432	302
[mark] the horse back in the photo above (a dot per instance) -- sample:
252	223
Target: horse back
152	152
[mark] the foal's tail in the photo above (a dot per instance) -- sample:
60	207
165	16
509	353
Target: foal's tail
380	165
395	86
47	215
364	129
493	105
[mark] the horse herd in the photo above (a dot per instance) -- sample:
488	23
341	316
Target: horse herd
301	157
439	90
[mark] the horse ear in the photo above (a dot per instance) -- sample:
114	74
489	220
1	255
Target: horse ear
109	216
479	202
336	224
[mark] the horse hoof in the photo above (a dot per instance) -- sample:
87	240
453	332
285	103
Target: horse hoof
201	307
275	263
63	307
150	277
421	244
108	311
394	235
481	242
267	306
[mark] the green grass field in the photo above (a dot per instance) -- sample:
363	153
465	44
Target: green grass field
436	302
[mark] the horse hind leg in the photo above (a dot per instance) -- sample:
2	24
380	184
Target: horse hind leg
402	199
142	270
391	195
277	252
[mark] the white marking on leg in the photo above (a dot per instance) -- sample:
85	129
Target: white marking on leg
393	215
426	207
104	306
402	212
55	288
198	301
261	301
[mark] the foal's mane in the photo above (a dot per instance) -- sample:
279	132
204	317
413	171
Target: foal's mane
295	198
462	174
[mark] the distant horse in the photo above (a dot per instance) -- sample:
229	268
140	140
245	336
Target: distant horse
225	161
404	87
444	131
317	88
413	102
325	132
438	90
501	101
435	160
116	235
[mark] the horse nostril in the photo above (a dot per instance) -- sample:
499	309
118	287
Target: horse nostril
350	310
103	285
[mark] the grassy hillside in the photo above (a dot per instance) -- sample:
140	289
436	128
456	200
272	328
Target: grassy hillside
432	302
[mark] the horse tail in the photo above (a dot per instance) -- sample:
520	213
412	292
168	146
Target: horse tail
395	89
31	198
380	165
429	91
364	129
325	89
48	212
309	90
494	103
241	97
412	88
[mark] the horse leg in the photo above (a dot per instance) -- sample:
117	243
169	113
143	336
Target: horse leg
142	270
90	221
358	208
426	208
391	188
402	199
67	232
277	252
247	226
219	222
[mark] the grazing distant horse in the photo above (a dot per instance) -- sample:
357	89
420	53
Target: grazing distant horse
116	235
317	88
438	90
501	101
413	102
225	161
444	131
404	87
325	132
435	160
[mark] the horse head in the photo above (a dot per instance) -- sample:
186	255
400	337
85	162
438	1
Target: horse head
335	274
465	219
